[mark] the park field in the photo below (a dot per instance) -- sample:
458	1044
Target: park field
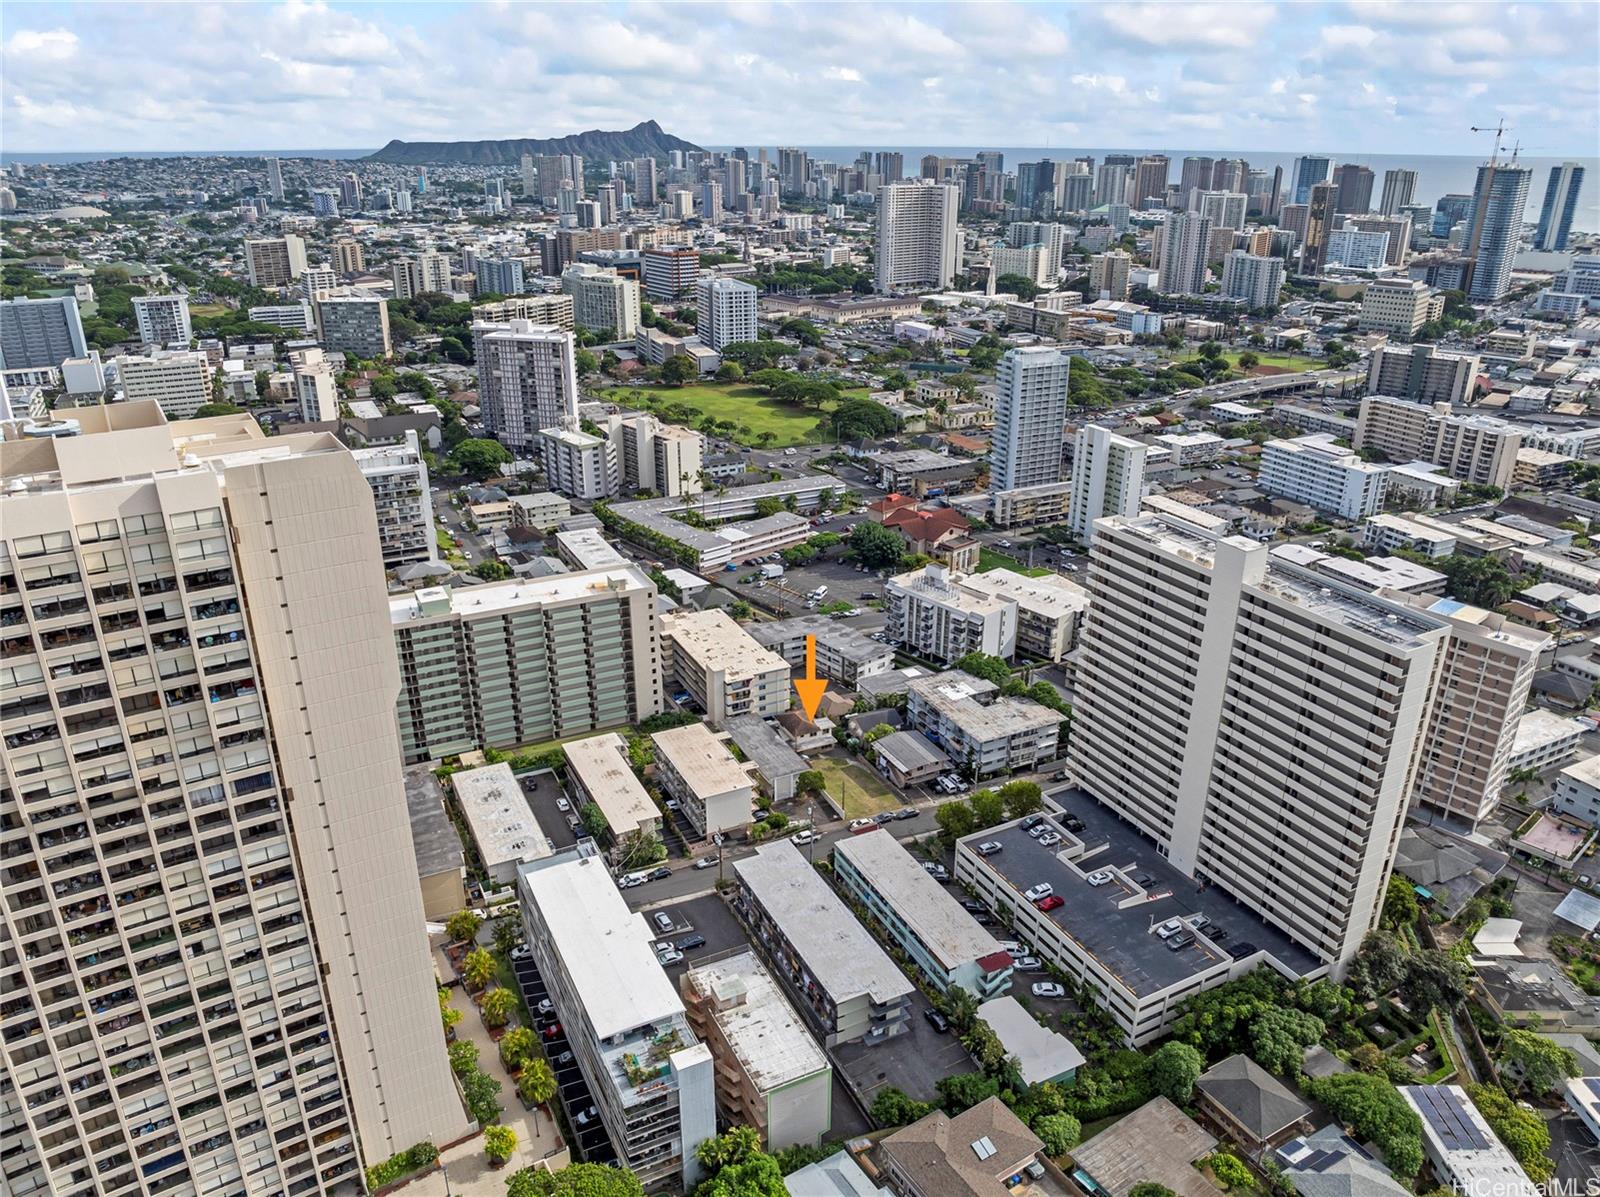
994	559
763	421
1279	363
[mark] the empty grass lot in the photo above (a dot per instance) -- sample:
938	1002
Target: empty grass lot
859	791
1291	363
994	559
750	407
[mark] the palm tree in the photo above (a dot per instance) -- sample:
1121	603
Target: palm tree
961	1005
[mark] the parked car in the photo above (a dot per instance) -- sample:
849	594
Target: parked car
1048	989
1216	934
1032	821
1049	839
1072	823
1043	890
670	957
1199	921
629	880
707	862
973	906
663	920
1142	878
937	1020
660	874
521	952
805	837
585	1116
1100	877
1182	940
690	942
564	1059
887	816
989	847
906	812
553	1031
545	1007
1169	928
859	825
937	871
1030	964
1053	902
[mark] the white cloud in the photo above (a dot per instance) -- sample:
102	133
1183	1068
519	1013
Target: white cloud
844	74
42	45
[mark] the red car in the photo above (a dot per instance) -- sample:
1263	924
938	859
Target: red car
552	1031
1051	902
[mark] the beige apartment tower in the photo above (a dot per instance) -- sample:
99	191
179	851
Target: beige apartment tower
1473	448
216	979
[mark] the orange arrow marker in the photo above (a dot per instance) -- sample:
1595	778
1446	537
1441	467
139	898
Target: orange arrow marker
811	688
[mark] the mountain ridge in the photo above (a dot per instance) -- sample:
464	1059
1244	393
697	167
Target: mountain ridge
647	139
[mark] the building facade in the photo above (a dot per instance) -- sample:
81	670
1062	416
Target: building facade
1030	417
1107	478
919	244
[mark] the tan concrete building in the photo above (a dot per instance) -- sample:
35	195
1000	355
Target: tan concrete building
1399	307
713	790
193	631
1473	448
1422	374
722	667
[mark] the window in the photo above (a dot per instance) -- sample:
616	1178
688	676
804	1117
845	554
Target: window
38	546
190	521
96	531
143	525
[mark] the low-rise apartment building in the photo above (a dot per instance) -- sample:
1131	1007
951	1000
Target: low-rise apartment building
771	1075
844	655
1046	503
650	1079
499	820
844	982
1474	448
721	667
588	548
934	616
599	772
979	730
1049	609
713	790
941	938
525	661
1388	533
541	511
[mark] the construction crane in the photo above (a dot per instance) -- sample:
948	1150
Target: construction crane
1499	132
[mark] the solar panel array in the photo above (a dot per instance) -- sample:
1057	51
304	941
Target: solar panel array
1444	1110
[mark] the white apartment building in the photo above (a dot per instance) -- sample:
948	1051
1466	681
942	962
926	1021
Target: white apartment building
315	389
357	325
1225	209
1320	473
317	282
1255	278
179	380
1031	262
540	309
653	456
1399	306
1107	478
1226	708
602	300
1049	609
649	1077
1388	533
587	548
165	690
771	1075
297	317
274	261
725	312
1473	448
600	773
935	617
1457	1141
919	243
1185	250
670	271
1485	677
578	464
1030	417
976	728
398	477
1357	249
725	671
714	792
163	320
527	382
1422	374
427	273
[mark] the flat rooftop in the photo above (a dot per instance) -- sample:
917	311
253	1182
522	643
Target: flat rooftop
1391	623
1052	595
766	1034
837	950
951	934
498	815
606	948
761	744
840	637
957	695
589	549
1539	728
717	644
496	598
433	836
702	760
1124	940
600	764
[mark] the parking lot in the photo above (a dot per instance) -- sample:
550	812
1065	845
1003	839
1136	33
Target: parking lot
913	1062
543	791
589	1141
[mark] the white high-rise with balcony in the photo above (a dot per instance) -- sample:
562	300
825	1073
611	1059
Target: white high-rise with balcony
527	380
725	312
163	320
1030	417
1107	478
919	245
207	987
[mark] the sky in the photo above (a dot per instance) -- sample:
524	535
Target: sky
1378	76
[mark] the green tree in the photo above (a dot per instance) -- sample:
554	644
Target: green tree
517	1047
1021	798
955	821
1542	1063
730	372
1058	1132
575	1180
462	926
758	1176
483	1096
965	1090
478	458
463	1057
1379	965
812	781
984	665
734	1146
1400	903
1249	360
1149	1188
448	1014
499	1143
1229	1170
1023	287
1522	1131
1279	1038
492	571
497	1006
507	931
960	1004
1371	1107
537	1082
679	369
586	362
478	968
739	610
988	809
206	410
1174	1068
1435	979
893	1108
875	546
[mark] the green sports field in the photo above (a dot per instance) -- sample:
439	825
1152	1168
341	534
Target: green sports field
753	410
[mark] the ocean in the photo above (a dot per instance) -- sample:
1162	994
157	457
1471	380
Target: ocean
1436	174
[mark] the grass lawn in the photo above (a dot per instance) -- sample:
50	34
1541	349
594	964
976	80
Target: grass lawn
994	559
208	309
859	791
1292	362
748	406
